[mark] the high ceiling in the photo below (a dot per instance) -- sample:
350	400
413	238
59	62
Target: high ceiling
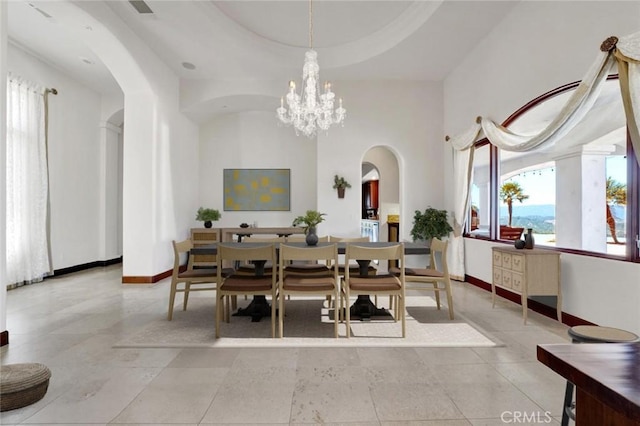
356	40
244	42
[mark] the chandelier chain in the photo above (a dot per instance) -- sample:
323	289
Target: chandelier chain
310	24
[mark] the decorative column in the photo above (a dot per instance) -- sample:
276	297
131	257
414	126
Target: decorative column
581	186
110	220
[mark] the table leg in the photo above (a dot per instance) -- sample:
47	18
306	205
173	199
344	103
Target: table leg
259	306
363	307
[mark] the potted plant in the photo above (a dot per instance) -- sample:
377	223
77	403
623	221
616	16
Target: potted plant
311	219
340	183
208	216
432	223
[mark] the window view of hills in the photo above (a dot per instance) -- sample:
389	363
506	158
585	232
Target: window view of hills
542	217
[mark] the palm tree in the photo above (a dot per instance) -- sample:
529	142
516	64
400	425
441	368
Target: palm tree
511	191
616	194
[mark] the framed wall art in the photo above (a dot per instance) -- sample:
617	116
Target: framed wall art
257	189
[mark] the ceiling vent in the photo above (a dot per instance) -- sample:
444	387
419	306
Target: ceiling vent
141	6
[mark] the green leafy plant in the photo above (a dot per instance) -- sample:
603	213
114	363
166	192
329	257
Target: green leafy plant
432	223
208	214
311	219
340	182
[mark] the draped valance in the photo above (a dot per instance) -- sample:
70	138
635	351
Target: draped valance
622	52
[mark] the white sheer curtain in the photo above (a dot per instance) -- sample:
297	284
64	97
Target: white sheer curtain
27	183
627	54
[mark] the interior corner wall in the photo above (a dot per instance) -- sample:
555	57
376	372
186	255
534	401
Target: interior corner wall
540	46
74	159
254	140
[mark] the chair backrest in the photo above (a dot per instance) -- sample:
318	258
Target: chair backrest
337	239
229	255
303	238
315	253
355	252
294	256
263	239
180	248
438	256
250	252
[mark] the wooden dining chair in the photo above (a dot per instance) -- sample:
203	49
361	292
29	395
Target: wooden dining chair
292	280
259	284
434	278
202	279
388	284
355	268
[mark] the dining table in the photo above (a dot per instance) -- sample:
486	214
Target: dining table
363	308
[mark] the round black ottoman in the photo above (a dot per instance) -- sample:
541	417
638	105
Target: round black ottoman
22	384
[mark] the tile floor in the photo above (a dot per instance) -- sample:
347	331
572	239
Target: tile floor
70	324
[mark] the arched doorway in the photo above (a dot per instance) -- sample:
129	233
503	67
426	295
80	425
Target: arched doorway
380	192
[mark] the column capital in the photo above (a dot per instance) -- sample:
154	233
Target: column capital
583	150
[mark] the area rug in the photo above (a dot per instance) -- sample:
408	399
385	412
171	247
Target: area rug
309	323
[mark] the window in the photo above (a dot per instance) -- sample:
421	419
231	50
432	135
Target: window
580	196
480	190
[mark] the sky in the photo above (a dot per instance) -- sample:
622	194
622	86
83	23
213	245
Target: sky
540	185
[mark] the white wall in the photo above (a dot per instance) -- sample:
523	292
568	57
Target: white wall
253	140
74	160
538	47
404	116
3	159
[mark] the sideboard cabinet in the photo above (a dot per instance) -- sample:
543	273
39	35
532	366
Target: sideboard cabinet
533	272
201	237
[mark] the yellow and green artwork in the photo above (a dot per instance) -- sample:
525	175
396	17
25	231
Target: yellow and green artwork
257	189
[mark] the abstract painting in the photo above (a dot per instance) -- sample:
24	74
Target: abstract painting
257	189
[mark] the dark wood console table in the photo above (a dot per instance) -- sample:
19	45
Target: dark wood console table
606	376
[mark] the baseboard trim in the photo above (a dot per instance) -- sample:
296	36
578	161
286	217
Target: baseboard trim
146	279
4	338
534	305
85	266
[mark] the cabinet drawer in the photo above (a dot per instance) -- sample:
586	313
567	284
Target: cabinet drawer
497	258
517	282
497	276
506	260
517	262
506	279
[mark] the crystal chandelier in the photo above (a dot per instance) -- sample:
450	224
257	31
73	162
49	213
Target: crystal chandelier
310	110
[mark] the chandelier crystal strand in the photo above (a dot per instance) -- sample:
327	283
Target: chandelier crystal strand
310	110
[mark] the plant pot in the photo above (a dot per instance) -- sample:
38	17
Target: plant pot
208	224
340	192
312	237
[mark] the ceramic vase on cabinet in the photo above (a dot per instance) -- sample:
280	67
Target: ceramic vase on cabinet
529	241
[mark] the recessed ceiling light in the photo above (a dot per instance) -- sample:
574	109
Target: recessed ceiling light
86	60
188	65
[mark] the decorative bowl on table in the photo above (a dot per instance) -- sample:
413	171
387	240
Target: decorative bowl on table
244	225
